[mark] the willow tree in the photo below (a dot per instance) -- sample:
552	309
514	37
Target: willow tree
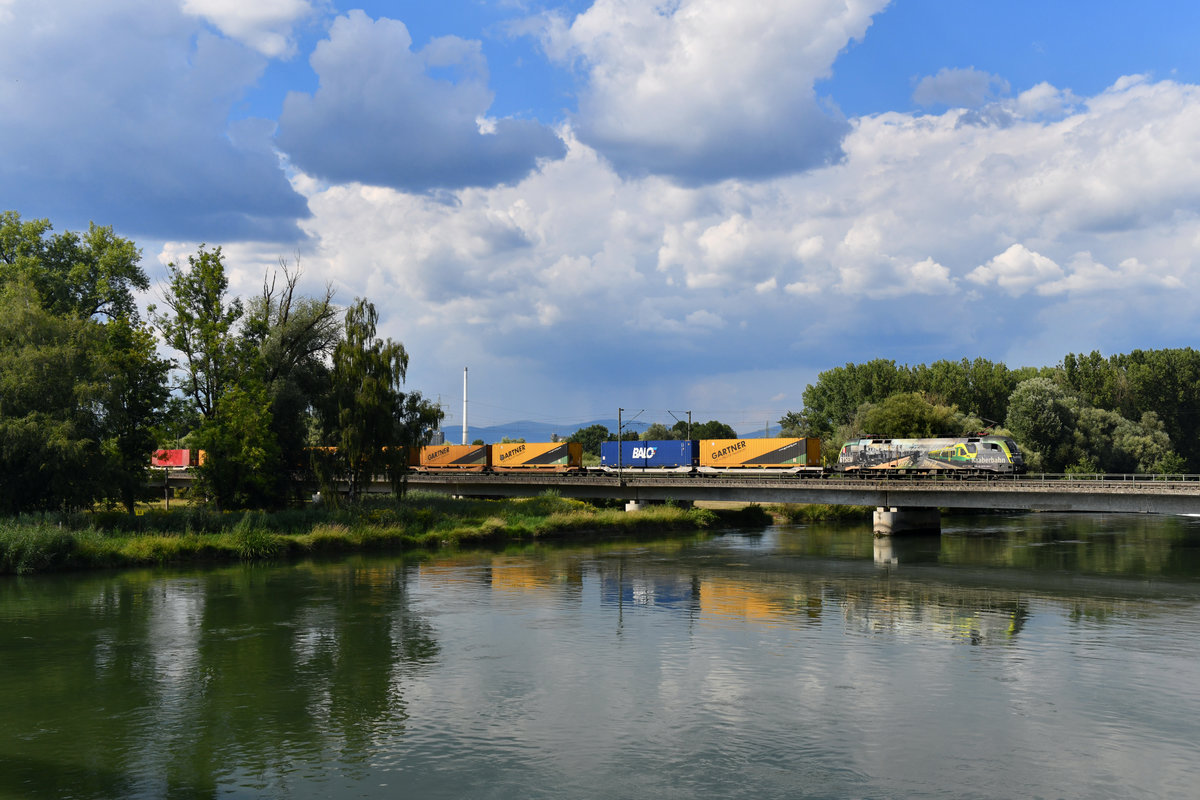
367	375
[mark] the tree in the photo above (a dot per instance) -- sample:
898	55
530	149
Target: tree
908	415
836	396
199	324
977	387
241	468
134	395
1041	420
799	424
82	275
367	375
591	437
104	385
657	432
289	340
419	418
49	405
713	430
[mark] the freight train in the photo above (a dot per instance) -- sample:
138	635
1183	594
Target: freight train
963	457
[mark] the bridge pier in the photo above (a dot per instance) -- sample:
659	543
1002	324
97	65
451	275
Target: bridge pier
890	520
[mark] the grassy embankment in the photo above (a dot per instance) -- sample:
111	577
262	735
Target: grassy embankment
819	512
190	535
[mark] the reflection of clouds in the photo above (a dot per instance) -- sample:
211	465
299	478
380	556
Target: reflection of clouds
176	612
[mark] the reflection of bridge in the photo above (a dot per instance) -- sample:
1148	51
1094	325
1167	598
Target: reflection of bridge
903	502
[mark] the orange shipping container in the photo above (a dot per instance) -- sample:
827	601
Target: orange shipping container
552	456
468	457
760	453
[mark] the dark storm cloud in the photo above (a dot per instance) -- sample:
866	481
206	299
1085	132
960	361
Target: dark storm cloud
118	113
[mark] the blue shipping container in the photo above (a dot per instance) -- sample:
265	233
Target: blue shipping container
667	454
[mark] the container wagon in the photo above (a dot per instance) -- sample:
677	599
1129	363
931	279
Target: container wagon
661	455
543	456
788	455
453	458
176	459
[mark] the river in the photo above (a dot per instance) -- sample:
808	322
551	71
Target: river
1038	655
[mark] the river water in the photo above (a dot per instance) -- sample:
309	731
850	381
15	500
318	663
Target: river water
1015	656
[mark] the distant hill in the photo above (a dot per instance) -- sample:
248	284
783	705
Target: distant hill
541	432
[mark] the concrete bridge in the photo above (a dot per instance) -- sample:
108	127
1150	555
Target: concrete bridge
903	503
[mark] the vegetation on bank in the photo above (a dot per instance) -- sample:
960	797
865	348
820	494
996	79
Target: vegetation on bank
1125	413
42	543
796	513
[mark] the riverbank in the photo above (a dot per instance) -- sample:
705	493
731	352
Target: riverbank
97	540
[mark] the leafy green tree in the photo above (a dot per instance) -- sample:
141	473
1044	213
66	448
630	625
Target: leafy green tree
908	415
1100	382
657	432
1111	443
289	341
199	323
419	418
84	285
82	275
713	430
591	437
799	424
836	396
241	468
978	387
367	375
1167	382
1041	419
134	395
50	422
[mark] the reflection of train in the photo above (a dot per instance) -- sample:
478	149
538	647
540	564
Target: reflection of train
975	455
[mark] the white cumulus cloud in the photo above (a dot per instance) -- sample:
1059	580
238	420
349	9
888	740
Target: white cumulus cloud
702	90
1017	270
265	25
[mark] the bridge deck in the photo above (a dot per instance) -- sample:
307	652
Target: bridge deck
1110	493
1042	493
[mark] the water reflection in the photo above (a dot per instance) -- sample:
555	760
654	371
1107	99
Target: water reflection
718	665
152	687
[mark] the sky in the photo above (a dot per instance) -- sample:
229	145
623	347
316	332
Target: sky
658	205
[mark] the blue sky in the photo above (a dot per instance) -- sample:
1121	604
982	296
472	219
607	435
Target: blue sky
689	204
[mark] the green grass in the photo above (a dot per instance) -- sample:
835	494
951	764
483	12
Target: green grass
32	544
820	512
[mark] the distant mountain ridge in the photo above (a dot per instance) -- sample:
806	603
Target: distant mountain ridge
542	432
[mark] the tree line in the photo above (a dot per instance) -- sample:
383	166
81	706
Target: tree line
267	386
1135	412
593	436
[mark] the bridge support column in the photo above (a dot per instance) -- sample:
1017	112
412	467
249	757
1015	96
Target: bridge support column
891	520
